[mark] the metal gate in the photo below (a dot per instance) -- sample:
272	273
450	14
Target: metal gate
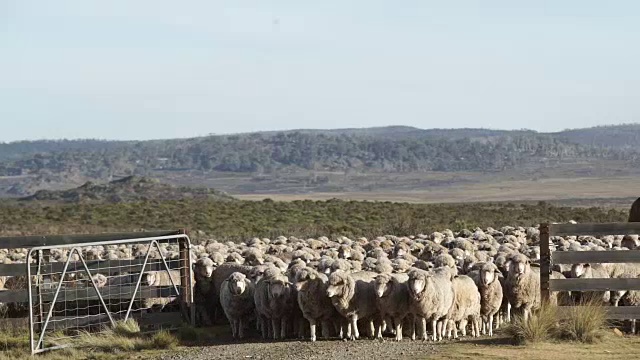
89	286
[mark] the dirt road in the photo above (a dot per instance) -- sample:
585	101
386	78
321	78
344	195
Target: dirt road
325	350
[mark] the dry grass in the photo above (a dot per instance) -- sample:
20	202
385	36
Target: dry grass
499	190
611	348
585	322
540	327
125	337
119	342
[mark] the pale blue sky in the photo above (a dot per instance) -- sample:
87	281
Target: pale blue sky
132	69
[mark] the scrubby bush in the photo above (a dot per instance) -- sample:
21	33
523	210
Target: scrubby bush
239	220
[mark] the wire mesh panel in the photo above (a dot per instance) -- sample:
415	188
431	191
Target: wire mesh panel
79	288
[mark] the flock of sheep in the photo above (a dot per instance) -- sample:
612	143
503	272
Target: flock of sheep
427	286
431	286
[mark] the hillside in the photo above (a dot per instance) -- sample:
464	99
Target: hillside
619	136
316	156
296	150
129	189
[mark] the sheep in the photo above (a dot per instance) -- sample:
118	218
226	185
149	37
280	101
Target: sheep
341	264
590	271
626	298
237	300
522	286
432	297
314	303
204	291
491	295
353	296
466	305
274	302
446	260
161	278
392	300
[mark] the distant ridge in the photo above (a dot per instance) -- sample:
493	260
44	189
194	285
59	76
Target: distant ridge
26	167
128	189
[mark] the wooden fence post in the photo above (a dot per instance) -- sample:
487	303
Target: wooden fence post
186	291
545	263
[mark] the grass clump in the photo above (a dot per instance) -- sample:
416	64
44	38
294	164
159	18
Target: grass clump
163	340
585	322
126	328
540	327
126	336
9	341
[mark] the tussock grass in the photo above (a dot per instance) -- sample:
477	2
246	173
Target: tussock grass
585	322
126	328
124	337
11	341
540	327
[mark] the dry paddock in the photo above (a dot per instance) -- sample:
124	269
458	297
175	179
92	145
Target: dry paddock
498	347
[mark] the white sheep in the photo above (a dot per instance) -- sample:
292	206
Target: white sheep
393	300
314	303
522	286
237	300
353	296
491	295
274	302
466	305
431	298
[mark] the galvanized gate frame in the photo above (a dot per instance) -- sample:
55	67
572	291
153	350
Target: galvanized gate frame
185	247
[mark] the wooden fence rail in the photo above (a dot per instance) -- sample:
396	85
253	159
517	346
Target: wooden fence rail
547	231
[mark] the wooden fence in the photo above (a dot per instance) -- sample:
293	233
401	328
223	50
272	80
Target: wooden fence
547	258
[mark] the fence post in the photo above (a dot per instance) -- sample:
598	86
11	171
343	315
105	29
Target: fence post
545	263
186	291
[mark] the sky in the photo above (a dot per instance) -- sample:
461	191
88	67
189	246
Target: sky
138	69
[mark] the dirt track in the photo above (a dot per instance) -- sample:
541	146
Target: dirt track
325	350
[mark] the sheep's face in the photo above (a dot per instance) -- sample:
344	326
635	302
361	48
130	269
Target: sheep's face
257	272
417	285
578	270
381	286
400	252
235	258
344	252
204	268
616	296
237	284
325	267
336	286
148	278
100	280
254	259
519	265
302	277
278	288
487	274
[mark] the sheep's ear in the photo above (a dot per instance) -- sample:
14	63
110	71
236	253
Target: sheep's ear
193	267
586	265
490	259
